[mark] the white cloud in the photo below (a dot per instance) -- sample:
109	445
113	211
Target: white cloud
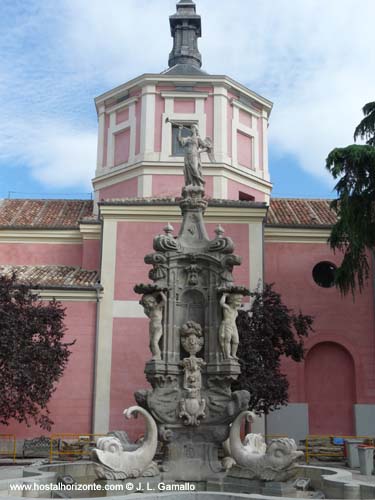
313	58
58	156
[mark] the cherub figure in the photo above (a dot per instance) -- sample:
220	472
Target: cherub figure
153	305
228	333
193	147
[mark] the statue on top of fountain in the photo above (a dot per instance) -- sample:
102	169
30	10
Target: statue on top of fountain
193	146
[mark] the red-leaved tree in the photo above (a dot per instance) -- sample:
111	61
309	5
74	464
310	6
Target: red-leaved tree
268	332
33	355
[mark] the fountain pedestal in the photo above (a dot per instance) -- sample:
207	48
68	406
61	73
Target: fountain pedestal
191	398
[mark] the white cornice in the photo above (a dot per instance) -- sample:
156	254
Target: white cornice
296	235
164	213
51	236
147	78
238	174
69	295
90	231
122	104
244	107
184	95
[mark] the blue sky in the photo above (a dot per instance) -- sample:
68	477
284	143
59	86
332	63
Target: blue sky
314	59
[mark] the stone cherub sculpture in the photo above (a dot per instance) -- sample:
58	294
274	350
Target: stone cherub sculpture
228	333
193	147
153	305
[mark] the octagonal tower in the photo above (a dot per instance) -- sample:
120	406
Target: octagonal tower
138	151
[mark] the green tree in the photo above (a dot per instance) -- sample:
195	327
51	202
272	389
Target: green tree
354	232
32	353
268	332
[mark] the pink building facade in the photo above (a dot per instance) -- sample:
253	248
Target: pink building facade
79	252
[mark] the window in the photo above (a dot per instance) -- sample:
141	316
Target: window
177	149
245	197
324	274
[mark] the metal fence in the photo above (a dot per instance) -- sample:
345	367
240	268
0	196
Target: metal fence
72	446
10	448
333	450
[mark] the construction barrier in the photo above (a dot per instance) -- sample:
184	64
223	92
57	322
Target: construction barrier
269	437
330	442
72	446
11	446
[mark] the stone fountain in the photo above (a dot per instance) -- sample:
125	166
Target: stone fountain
192	304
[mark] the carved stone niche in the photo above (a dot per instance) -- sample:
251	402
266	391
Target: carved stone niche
191	307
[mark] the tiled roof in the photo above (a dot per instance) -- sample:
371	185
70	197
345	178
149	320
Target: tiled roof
66	214
52	214
53	276
300	212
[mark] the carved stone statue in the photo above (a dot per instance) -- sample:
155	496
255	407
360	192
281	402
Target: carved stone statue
115	463
192	406
228	333
153	305
193	147
275	462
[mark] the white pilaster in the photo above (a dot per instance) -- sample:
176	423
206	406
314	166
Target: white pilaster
148	121
220	123
127	309
145	186
256	266
101	132
256	254
266	174
103	361
235	122
220	188
132	126
111	140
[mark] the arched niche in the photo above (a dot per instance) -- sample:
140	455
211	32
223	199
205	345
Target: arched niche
330	389
193	307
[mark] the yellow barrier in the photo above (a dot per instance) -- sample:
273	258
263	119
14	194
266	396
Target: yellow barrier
12	448
269	437
78	443
340	448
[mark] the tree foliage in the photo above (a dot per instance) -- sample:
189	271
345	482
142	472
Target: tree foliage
267	333
354	232
32	353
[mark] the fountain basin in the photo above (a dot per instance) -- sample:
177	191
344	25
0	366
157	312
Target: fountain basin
334	483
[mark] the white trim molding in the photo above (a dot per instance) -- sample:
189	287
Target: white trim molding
164	213
90	231
69	295
296	235
46	236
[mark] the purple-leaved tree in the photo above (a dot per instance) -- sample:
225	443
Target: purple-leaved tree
33	355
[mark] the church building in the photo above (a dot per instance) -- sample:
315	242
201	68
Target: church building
90	254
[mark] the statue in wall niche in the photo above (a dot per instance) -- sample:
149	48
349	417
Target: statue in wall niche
257	460
193	147
153	305
228	333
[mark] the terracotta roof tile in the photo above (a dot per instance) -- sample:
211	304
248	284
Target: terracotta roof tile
64	214
300	212
52	276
